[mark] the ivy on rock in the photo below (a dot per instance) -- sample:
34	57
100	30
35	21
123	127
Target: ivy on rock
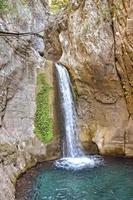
43	120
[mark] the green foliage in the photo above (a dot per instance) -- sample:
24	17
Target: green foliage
56	5
4	7
43	121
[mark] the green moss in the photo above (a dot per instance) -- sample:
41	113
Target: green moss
56	5
4	7
43	121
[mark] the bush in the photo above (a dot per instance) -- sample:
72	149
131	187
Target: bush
43	121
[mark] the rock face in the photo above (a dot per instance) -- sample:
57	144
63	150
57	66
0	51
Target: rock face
95	43
98	52
19	57
123	33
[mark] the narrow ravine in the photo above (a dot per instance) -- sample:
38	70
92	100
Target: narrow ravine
60	124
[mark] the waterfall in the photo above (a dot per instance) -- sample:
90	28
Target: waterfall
73	155
71	145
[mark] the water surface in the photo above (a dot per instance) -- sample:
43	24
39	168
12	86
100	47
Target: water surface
112	181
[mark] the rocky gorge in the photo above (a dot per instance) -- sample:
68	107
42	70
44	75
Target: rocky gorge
93	39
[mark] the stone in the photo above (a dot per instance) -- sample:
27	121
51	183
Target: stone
95	43
97	51
20	57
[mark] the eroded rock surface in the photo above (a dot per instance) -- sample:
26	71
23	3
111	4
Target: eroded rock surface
123	34
19	57
97	50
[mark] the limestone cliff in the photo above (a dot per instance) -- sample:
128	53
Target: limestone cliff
98	52
20	56
123	37
94	40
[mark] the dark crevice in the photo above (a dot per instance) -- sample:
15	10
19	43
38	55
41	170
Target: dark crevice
16	34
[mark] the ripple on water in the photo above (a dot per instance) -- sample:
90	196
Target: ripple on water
111	181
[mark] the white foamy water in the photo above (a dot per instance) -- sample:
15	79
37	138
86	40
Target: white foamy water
79	162
73	155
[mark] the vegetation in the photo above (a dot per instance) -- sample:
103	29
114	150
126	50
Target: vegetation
56	5
3	6
43	121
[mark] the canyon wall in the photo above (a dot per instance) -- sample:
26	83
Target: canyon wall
98	52
20	56
94	40
123	36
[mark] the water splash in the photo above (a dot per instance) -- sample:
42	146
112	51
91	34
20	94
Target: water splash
79	163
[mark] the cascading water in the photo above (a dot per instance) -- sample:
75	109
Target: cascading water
73	155
71	146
